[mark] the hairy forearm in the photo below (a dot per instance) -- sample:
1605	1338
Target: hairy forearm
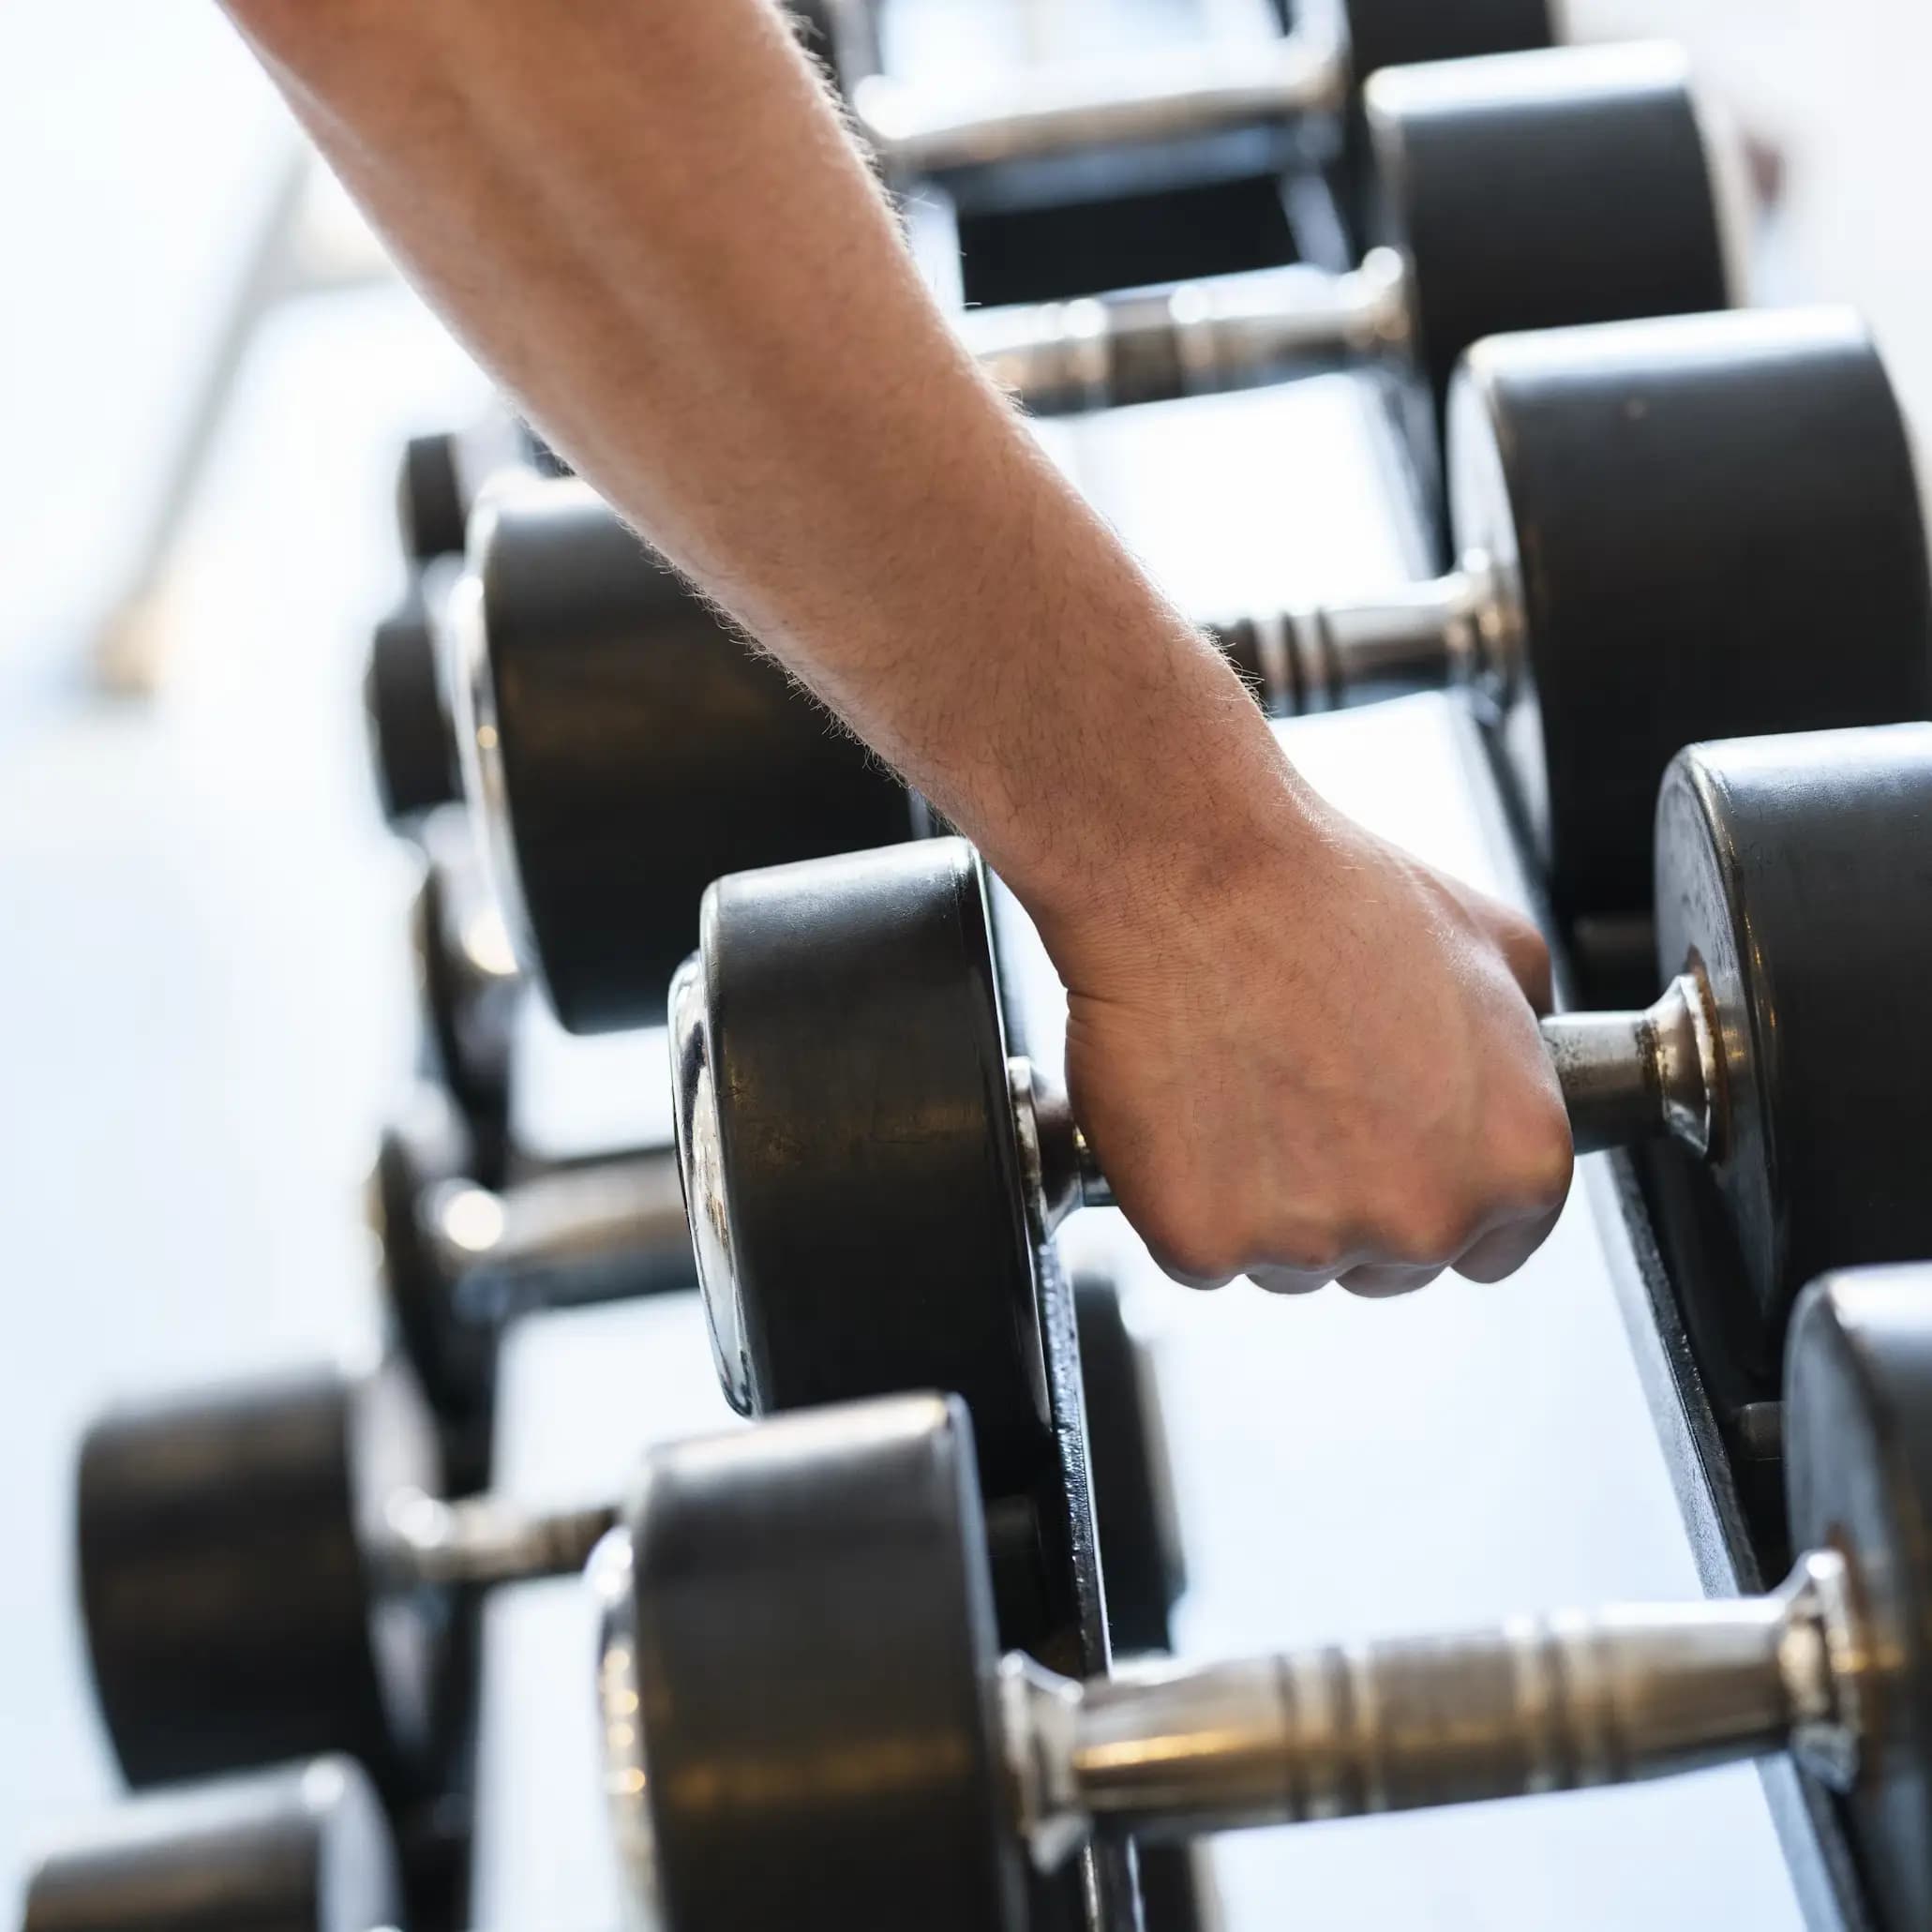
645	218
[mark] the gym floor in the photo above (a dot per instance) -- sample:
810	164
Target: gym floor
205	974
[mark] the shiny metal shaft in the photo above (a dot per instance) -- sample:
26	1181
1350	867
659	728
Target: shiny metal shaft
1422	636
427	1541
1536	1704
1628	1076
608	1230
1175	94
1188	338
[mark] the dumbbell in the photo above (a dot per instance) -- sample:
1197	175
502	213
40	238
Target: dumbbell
1655	523
301	1847
1304	76
803	1697
459	1260
845	1095
1644	562
1526	191
272	1571
275	1571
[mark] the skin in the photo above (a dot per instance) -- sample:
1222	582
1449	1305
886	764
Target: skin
1300	1053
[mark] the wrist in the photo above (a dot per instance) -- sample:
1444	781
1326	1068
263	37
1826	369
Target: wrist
1205	802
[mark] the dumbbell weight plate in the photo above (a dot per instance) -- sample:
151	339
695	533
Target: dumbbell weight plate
1399	33
422	1146
1796	874
1858	1444
835	1287
585	740
304	1848
432	497
472	993
221	1536
412	750
1519	205
1702	527
766	1543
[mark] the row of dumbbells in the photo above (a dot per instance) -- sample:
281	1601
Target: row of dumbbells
1639	562
619	749
807	1716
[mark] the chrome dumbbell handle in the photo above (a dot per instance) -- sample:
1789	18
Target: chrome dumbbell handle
1640	1075
1536	1704
1457	630
1190	339
426	1542
1626	1077
1178	94
564	1238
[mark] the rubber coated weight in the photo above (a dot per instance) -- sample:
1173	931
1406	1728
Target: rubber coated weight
1399	33
1858	1451
1795	875
472	993
1542	190
432	497
612	691
848	1782
850	1144
1142	1559
232	1619
303	1848
413	748
1714	529
423	1145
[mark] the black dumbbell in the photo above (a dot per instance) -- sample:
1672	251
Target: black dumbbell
1656	524
803	1700
1303	76
460	1261
301	1847
275	1571
846	1094
1658	520
1530	191
272	1571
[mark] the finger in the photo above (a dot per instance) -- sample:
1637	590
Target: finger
1503	1251
1280	1280
1526	953
1524	950
1382	1281
1187	1279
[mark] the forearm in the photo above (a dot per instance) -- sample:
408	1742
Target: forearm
647	222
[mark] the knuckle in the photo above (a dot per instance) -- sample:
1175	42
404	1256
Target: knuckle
1544	1158
1426	1231
1186	1246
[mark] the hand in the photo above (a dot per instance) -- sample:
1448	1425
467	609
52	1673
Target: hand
1321	1064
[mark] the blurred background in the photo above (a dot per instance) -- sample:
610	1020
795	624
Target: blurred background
203	983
